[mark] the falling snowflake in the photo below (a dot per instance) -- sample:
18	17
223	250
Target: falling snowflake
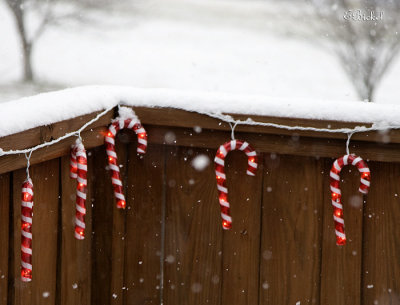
200	162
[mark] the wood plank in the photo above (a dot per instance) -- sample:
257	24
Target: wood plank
193	232
181	118
119	225
341	265
241	244
91	138
42	289
4	236
143	226
102	223
109	231
46	133
293	144
75	254
381	245
292	230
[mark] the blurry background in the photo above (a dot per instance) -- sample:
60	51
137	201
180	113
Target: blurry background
318	49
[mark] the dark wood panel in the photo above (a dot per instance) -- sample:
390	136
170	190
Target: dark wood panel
291	235
291	145
341	265
109	230
39	135
4	235
143	226
42	289
193	237
381	246
91	138
181	118
383	145
75	254
102	223
294	259
118	227
241	244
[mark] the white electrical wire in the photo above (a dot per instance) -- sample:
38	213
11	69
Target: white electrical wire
28	163
229	119
232	130
348	143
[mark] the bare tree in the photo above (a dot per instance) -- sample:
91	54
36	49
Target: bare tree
17	8
47	13
365	37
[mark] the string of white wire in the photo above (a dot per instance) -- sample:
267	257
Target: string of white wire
52	142
222	117
229	119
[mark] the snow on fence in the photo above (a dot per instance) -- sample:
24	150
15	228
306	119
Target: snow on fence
168	246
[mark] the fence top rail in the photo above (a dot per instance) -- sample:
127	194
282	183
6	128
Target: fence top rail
53	107
176	119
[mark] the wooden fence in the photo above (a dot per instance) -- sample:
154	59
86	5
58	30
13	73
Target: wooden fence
168	246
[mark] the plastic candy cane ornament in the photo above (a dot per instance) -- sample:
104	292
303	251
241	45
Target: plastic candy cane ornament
336	194
78	171
126	119
26	230
221	177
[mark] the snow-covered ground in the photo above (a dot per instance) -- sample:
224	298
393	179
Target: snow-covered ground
228	46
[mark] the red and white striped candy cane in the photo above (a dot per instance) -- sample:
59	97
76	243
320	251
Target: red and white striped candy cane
78	170
118	124
26	230
219	161
337	195
73	173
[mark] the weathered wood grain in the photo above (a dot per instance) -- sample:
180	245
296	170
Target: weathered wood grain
241	244
281	249
39	135
75	254
383	145
181	118
91	138
42	289
381	244
193	236
119	228
291	230
102	224
4	236
291	145
341	265
109	230
145	192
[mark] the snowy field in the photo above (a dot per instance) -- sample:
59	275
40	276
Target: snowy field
227	46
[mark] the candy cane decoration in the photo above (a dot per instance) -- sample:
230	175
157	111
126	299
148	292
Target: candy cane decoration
130	121
73	173
26	230
78	171
336	194
221	177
